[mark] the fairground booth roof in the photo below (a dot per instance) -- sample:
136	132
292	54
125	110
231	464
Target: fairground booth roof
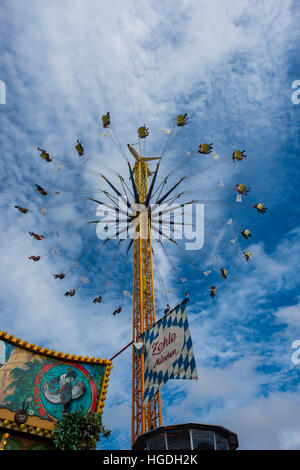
37	386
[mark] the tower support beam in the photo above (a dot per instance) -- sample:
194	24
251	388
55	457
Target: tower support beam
143	420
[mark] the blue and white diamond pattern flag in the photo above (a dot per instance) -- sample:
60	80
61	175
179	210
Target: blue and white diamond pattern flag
168	353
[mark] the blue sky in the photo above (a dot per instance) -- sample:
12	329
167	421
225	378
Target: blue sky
230	66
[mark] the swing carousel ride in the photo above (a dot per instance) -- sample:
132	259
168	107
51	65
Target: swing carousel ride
139	214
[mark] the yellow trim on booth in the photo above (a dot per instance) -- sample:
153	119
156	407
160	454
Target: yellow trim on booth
55	355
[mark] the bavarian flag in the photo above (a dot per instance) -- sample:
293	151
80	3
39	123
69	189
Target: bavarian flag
168	352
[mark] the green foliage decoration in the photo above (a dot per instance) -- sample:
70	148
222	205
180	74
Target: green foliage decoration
79	431
21	383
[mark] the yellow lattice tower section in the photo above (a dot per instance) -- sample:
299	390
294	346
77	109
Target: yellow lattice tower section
143	420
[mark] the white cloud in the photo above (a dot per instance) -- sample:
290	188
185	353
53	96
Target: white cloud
289	315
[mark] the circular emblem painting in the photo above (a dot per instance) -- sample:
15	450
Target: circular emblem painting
63	387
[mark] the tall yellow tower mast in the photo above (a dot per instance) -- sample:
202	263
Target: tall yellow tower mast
143	419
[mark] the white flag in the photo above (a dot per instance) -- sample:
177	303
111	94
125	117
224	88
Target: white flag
168	353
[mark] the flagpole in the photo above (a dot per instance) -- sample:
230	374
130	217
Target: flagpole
139	336
129	344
